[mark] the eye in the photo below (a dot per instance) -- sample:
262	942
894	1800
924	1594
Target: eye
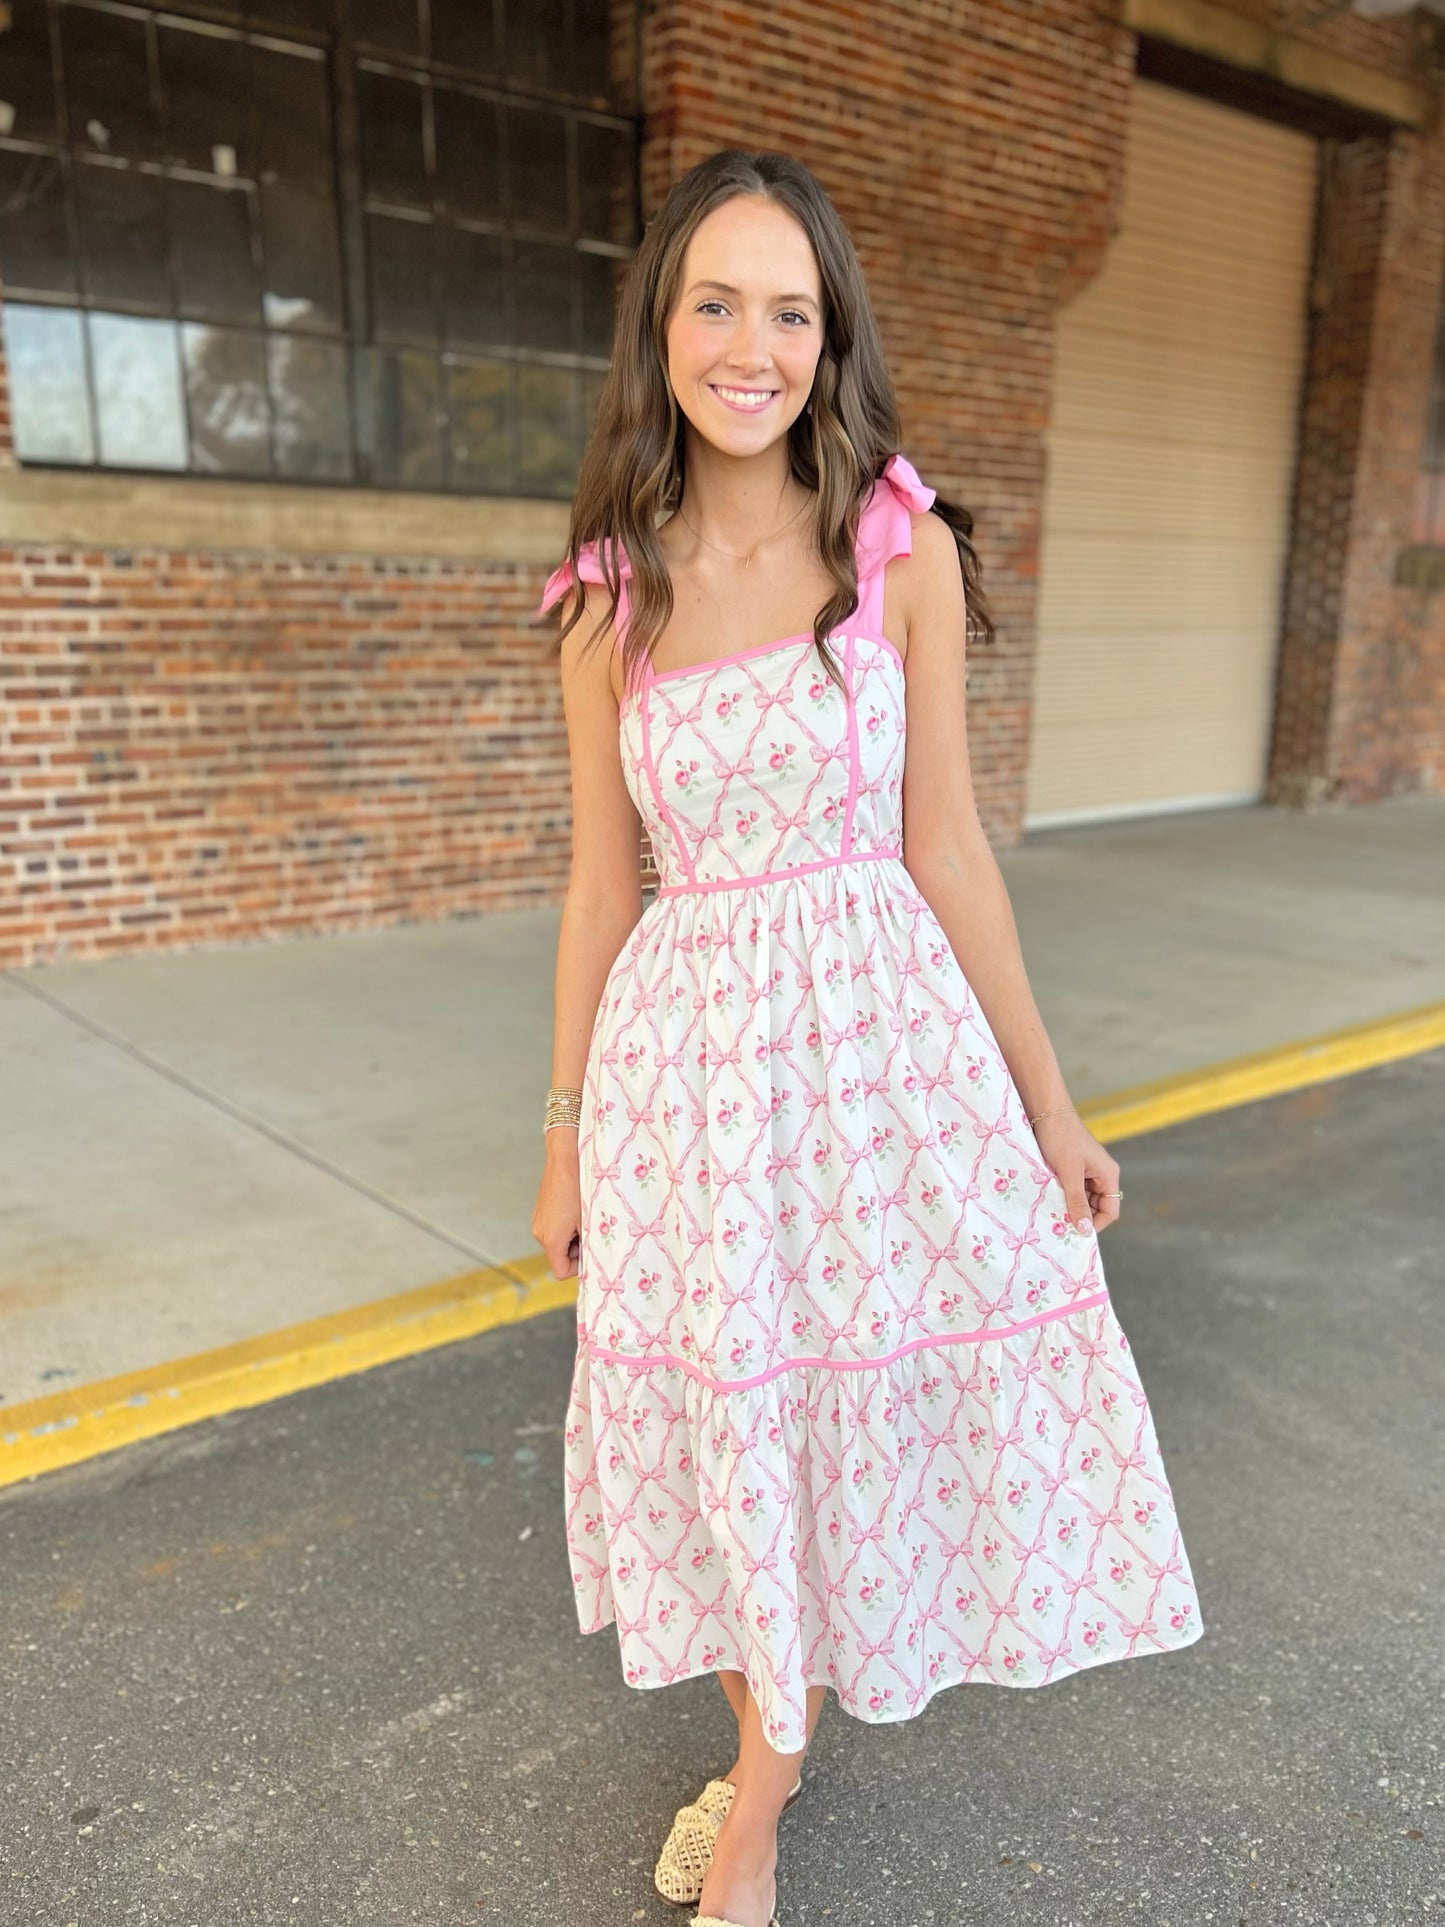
801	317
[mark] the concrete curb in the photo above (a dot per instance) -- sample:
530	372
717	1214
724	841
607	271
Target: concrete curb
68	1427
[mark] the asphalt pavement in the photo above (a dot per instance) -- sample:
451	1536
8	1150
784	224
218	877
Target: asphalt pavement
317	1662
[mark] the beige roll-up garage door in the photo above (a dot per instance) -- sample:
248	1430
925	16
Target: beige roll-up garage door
1170	462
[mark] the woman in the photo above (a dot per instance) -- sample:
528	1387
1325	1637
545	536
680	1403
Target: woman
850	1406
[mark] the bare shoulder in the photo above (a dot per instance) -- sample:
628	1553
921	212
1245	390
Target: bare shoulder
590	650
931	578
935	551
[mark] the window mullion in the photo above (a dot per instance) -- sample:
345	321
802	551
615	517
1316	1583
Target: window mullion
351	215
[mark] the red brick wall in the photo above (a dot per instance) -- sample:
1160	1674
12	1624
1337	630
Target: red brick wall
1387	727
209	747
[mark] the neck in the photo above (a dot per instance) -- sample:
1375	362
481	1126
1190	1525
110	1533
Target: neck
738	501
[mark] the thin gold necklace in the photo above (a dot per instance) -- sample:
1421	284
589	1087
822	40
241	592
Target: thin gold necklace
748	562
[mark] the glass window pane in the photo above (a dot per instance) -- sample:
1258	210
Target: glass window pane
391	139
34	234
463	34
544	282
309	407
226	389
535	42
27	80
479	416
123	236
473	287
548	421
303	268
206	93
599	274
292	120
391	24
468	155
604	182
537	157
313	15
591	48
400	417
49	401
216	272
400	259
107	82
137	363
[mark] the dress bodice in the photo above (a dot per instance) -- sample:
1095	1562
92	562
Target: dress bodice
759	766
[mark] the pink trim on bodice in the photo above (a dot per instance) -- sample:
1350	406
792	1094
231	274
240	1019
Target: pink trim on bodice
885	529
773	876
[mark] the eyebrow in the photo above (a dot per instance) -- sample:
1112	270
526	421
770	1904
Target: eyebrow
725	287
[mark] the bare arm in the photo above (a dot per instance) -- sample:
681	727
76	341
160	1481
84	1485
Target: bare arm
602	905
949	858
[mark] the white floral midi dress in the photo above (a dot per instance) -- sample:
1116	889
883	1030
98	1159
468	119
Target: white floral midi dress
850	1405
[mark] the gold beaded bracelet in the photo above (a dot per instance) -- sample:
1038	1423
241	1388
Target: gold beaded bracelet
564	1107
1058	1112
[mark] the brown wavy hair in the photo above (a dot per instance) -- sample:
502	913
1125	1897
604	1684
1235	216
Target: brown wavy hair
633	466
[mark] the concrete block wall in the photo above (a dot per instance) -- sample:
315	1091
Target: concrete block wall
212	743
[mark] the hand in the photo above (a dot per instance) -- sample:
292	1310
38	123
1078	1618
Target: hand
557	1215
1082	1166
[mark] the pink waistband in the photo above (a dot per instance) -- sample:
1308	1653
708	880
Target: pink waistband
774	876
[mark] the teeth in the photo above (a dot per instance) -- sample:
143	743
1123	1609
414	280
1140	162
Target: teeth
744	397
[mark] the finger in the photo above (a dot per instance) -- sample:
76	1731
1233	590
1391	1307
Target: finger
559	1258
1078	1204
1106	1209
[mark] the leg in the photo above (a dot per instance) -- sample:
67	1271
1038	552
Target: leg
740	1883
735	1685
736	1688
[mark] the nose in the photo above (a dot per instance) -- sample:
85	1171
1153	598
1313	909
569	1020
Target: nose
747	352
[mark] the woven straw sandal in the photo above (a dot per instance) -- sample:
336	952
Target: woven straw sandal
687	1852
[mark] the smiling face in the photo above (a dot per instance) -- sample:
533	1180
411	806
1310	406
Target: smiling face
746	331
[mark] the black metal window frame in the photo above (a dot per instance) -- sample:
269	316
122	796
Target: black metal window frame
571	254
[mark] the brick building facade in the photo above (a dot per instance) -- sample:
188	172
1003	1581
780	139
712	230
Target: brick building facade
235	708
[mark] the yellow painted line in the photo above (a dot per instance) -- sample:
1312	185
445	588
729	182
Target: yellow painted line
68	1427
1265	1073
